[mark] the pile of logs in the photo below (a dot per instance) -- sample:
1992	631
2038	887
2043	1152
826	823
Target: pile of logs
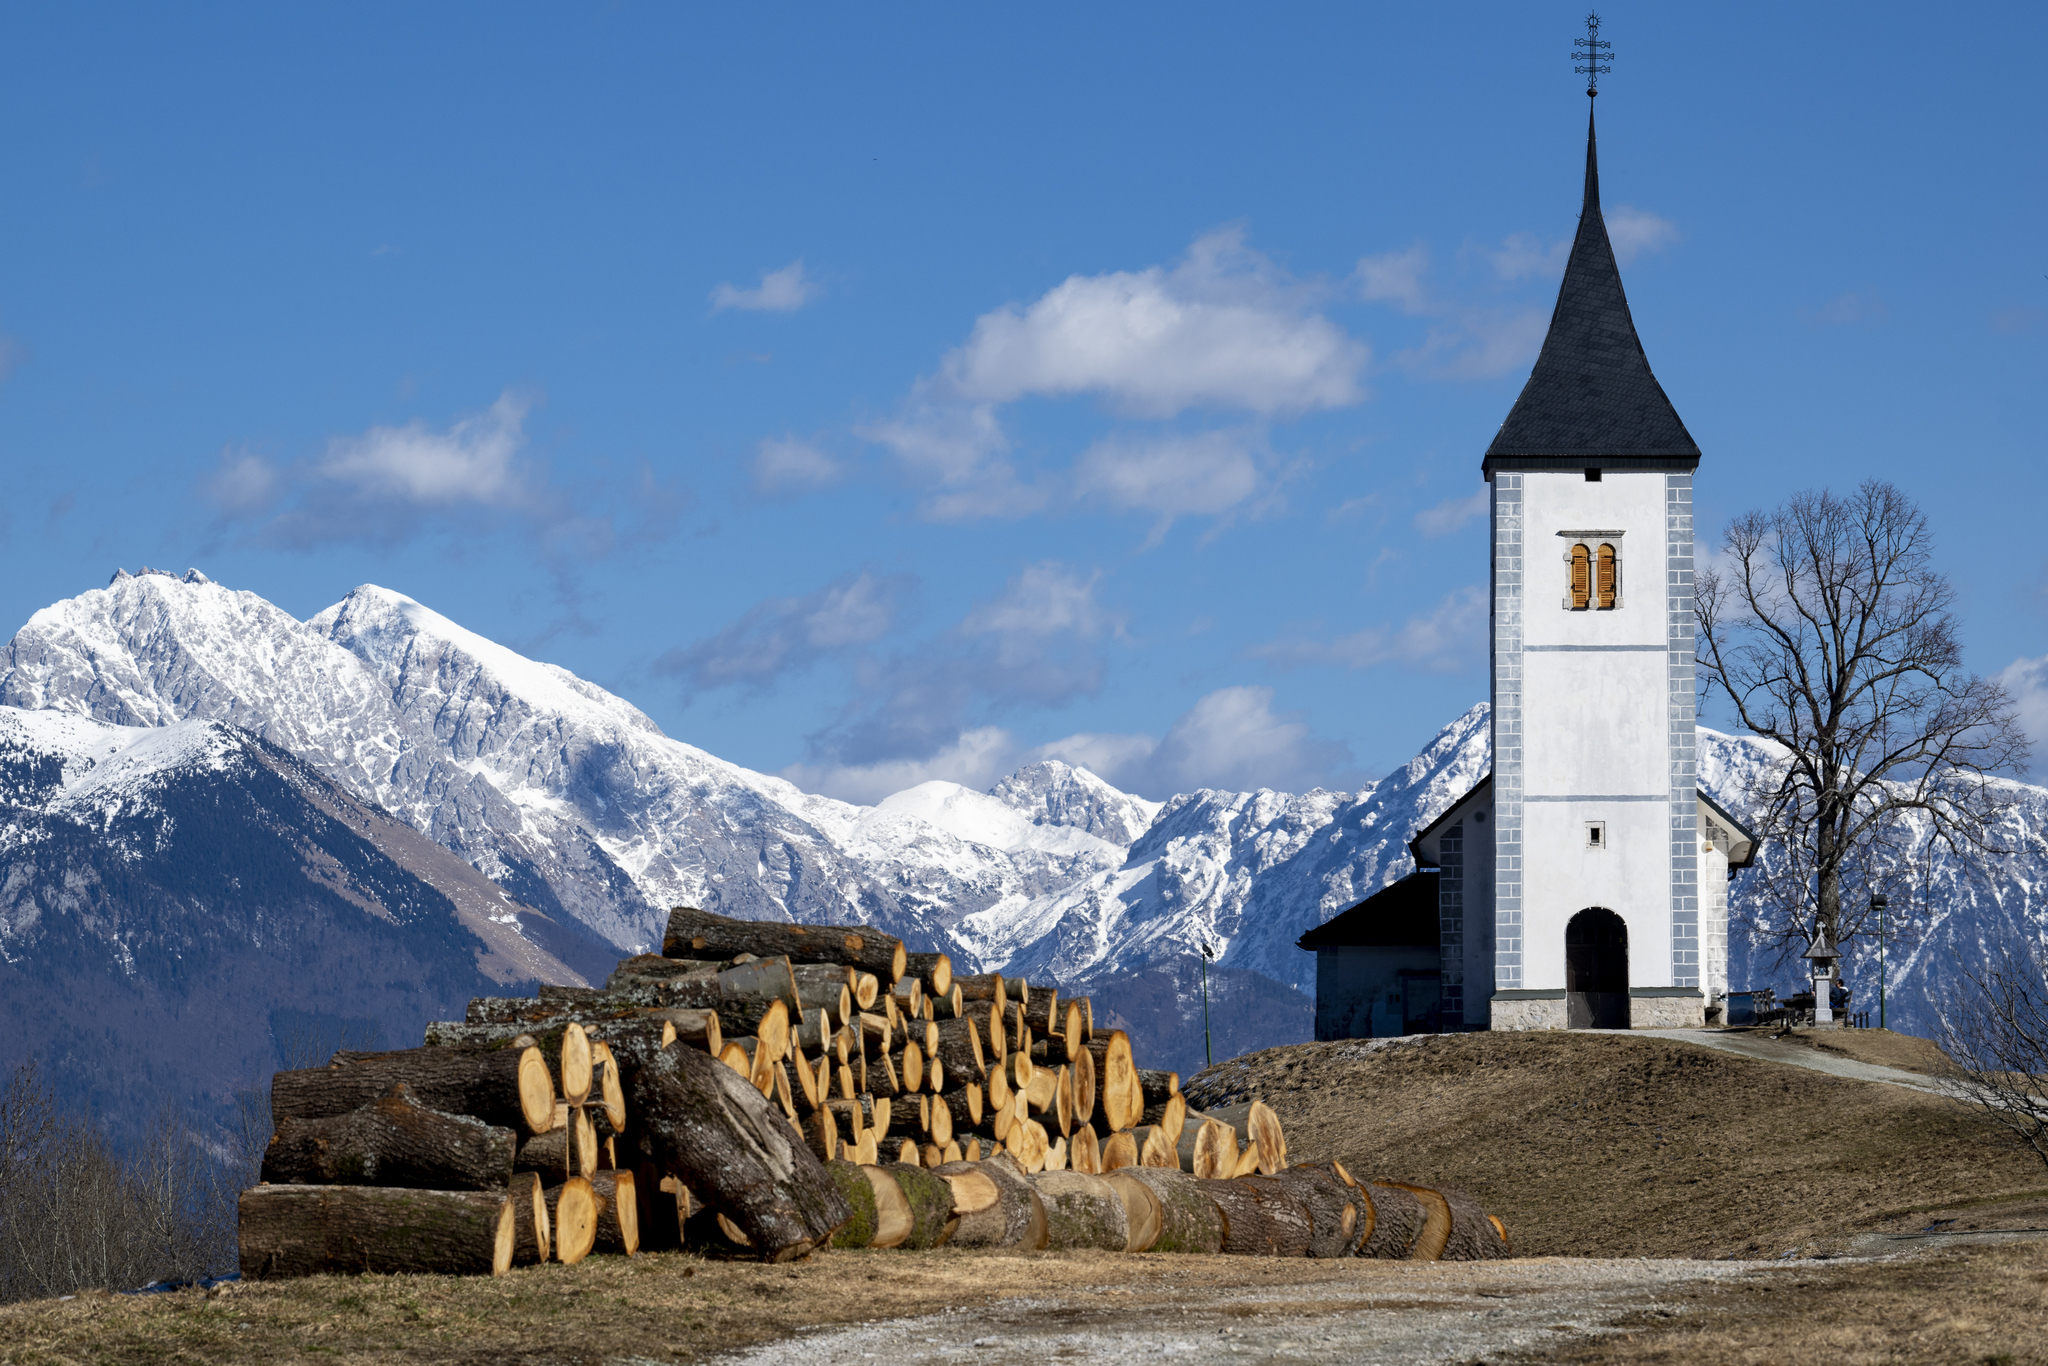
764	1089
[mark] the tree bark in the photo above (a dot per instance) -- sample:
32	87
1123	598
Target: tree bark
1258	1220
935	970
851	1181
1189	1220
1333	1205
531	1241
928	1197
719	1135
508	1087
1398	1218
618	1212
1042	1013
1157	1086
392	1142
569	1149
1454	1229
693	934
1015	1222
1119	1097
310	1230
961	1051
1082	1211
572	1212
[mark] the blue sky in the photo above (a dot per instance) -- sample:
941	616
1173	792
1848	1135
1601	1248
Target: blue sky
891	392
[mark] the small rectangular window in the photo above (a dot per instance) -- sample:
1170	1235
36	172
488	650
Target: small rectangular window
1596	834
1592	476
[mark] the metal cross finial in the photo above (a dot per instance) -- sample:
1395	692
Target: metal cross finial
1594	55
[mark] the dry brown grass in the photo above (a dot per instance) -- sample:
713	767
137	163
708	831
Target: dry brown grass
1978	1304
1908	1052
1629	1145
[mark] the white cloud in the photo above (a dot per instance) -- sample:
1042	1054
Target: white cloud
244	484
1046	599
978	759
1232	739
1202	473
1396	278
2027	681
1633	232
786	464
470	462
1452	513
780	291
1445	639
1521	255
1118	760
782	635
1223	329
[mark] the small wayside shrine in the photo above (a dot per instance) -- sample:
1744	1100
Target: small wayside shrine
1584	882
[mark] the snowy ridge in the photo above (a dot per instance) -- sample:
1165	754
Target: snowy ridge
577	804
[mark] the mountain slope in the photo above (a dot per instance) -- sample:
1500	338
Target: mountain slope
165	892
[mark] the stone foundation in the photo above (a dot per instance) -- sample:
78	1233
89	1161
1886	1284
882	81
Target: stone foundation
1528	1010
1666	1008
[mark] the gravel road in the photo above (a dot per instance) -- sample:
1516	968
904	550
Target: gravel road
1394	1312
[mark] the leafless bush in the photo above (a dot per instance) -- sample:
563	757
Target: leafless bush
75	1214
1995	1032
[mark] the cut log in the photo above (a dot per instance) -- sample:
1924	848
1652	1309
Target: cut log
1398	1219
1120	1150
1019	989
935	970
1454	1228
801	1082
1087	1009
572	1213
618	1213
1170	1114
1084	1152
971	1152
569	1149
739	1058
1000	1096
700	934
1334	1206
1189	1220
822	990
1042	1011
1043	1090
1069	1037
1156	1148
1157	1086
1084	1088
866	1150
929	1198
508	1087
393	1142
938	1119
908	1153
865	986
716	1133
1056	1155
912	1071
973	1191
1119	1101
1028	1143
1015	1221
893	1216
821	1135
1063	1100
767	1021
1082	1211
1141	1210
1214	1153
303	1230
985	987
960	1050
531	1244
965	1105
574	1064
852	1182
1259	1218
607	1092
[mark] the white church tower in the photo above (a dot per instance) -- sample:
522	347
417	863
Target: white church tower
1596	829
1584	882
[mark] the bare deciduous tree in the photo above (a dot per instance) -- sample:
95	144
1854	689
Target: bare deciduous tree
1828	627
1994	1029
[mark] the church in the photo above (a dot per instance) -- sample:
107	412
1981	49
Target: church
1584	882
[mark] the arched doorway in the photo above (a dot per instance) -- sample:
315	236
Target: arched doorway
1596	970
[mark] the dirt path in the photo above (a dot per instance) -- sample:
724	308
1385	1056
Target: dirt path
1792	1055
1364	1312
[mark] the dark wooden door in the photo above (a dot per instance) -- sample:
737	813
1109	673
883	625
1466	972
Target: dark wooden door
1596	970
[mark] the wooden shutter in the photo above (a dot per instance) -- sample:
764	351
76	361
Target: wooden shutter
1607	580
1580	576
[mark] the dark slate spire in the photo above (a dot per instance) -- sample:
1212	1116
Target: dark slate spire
1591	398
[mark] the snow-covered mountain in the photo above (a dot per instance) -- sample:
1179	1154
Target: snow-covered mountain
577	806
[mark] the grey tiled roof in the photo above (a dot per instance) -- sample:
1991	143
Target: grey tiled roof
1592	393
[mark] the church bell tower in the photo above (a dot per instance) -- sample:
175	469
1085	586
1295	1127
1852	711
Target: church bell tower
1596	886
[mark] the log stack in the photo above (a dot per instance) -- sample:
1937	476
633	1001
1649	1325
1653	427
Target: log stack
763	1089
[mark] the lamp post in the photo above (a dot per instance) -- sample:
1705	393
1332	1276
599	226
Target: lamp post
1208	1055
1878	904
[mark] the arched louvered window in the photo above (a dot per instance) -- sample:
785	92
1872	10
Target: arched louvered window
1581	578
1607	577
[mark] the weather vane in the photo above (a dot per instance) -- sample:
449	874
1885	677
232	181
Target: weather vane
1594	53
